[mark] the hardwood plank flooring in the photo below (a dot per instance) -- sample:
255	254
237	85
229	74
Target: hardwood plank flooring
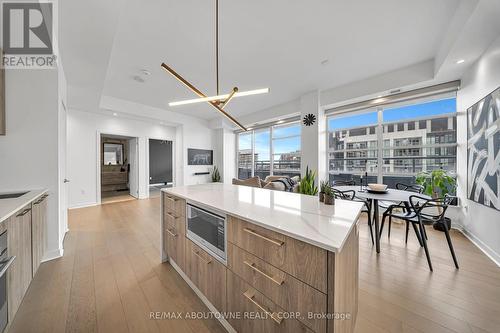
110	279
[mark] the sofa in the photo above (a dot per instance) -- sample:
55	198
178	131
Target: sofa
270	183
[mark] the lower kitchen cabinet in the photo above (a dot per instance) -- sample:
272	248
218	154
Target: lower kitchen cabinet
208	274
257	312
38	232
19	274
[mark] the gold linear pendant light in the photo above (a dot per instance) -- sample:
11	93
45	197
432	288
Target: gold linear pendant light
218	101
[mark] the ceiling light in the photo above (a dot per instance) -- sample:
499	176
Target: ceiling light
115	114
379	96
280	122
145	72
219	101
138	78
250	128
220	97
461	61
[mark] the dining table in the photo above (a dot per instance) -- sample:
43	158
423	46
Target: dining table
391	195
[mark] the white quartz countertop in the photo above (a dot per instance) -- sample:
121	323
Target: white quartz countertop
299	216
9	206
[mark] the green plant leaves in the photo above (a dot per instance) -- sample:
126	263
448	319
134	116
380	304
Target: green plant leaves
307	183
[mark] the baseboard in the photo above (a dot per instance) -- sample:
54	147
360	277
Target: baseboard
490	253
84	205
53	254
219	316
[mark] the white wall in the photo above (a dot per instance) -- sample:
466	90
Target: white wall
83	131
480	223
29	151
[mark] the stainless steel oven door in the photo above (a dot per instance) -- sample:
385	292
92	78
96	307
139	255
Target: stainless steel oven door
4	266
208	230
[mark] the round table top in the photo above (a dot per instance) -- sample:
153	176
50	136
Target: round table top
391	194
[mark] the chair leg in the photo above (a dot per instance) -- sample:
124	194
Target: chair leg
450	245
417	233
370	226
425	234
407	229
424	241
382	224
389	230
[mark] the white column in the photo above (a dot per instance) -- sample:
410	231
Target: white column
313	138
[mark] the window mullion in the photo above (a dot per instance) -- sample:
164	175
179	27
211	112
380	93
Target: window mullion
271	151
380	141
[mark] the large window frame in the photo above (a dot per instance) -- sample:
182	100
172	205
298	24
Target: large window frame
382	148
272	153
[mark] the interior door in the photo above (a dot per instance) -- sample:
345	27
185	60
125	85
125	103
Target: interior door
63	188
134	167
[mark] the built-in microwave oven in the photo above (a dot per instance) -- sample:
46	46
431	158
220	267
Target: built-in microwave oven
208	230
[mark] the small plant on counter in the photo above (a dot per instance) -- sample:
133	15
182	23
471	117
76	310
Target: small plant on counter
215	175
307	183
322	186
329	197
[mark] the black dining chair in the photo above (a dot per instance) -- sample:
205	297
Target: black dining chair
404	206
427	210
351	195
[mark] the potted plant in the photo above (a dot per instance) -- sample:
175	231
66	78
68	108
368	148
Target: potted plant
215	175
322	186
329	198
437	184
307	183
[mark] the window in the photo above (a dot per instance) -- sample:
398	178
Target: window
273	150
416	137
245	155
350	155
262	153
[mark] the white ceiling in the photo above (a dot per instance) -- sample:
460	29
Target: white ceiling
278	44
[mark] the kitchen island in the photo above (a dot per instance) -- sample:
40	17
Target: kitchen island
264	260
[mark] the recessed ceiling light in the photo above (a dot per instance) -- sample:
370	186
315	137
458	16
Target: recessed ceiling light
461	61
115	114
138	78
145	72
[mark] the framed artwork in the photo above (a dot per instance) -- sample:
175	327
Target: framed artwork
483	151
200	156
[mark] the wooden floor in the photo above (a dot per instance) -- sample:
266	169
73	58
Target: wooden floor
110	280
116	197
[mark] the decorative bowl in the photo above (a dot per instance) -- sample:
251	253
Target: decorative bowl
377	187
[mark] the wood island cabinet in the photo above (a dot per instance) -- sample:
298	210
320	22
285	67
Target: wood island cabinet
286	284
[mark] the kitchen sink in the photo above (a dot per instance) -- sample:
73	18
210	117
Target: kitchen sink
11	195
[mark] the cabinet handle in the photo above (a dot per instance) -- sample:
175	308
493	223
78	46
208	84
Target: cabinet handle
270	240
24	212
172	215
258	270
196	253
171	233
250	296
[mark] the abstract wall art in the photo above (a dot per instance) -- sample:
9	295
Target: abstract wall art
483	151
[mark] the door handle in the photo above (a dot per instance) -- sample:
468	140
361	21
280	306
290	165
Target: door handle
66	180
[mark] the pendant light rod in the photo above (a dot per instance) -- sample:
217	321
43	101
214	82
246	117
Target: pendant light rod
217	45
202	95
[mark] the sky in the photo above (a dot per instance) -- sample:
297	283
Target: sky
262	137
395	114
